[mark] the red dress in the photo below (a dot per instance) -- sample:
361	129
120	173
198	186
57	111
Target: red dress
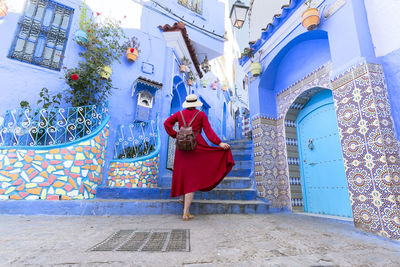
203	168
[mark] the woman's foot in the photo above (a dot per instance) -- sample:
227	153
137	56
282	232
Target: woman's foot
187	217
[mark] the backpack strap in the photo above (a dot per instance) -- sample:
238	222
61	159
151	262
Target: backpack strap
183	118
194	118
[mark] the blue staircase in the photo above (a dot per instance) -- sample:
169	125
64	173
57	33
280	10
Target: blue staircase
236	194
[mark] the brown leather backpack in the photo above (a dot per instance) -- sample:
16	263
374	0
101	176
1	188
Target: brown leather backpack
185	138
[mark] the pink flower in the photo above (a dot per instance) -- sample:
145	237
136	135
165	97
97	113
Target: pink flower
132	50
124	17
74	77
98	13
88	30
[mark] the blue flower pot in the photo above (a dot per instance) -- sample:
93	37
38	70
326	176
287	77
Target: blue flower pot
81	37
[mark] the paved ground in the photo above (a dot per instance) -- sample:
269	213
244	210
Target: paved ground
216	240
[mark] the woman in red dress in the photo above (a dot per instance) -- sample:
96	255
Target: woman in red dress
203	168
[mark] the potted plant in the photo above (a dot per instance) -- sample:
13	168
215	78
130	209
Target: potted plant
184	64
81	34
255	66
204	83
3	9
132	49
214	85
191	78
310	17
224	86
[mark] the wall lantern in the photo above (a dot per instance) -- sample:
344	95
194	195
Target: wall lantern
3	9
238	14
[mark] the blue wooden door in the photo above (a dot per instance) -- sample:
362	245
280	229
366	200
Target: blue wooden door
324	181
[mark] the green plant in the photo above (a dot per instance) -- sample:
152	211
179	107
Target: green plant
185	61
309	3
247	52
132	43
132	152
191	75
86	87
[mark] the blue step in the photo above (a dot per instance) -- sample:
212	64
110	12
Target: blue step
235	183
164	193
105	207
239	172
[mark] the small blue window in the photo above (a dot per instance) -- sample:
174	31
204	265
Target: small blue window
42	34
194	5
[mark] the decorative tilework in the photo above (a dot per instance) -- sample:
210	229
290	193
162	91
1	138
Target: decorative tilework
143	174
368	141
60	173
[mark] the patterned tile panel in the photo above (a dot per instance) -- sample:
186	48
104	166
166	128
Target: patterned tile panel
138	174
66	173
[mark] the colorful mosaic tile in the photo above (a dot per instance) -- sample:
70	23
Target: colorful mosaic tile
64	173
138	174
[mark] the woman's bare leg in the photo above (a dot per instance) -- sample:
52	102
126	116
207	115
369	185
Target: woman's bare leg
188	202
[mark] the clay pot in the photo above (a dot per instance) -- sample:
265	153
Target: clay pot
190	82
255	69
204	84
182	68
214	86
132	54
3	9
105	72
310	18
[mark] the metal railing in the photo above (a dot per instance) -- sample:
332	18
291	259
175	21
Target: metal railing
136	140
44	127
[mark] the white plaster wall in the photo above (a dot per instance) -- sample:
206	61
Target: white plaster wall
261	14
384	23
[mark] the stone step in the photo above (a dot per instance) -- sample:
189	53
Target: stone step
243	164
235	182
240	157
231	181
240	142
106	207
164	193
241	151
239	172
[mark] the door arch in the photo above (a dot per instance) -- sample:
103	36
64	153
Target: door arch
324	183
179	93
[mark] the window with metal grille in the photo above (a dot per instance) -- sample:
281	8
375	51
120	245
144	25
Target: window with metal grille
42	34
194	5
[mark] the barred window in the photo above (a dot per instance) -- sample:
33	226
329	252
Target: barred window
42	34
194	5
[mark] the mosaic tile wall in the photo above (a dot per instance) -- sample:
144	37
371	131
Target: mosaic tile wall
67	172
276	174
134	174
370	148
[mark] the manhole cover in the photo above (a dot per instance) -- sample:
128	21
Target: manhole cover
146	240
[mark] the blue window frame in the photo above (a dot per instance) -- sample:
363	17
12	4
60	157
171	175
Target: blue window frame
194	5
42	34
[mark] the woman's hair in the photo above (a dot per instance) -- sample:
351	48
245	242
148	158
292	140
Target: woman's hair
191	108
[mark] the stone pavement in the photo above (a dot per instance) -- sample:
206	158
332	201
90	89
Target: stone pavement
216	240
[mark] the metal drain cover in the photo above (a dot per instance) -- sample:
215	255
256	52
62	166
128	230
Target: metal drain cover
146	240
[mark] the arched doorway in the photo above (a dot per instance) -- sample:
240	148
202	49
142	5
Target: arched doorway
178	97
311	127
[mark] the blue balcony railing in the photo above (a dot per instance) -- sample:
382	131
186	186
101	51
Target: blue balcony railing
44	127
136	140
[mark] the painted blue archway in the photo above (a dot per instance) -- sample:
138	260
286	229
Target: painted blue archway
298	58
179	94
324	182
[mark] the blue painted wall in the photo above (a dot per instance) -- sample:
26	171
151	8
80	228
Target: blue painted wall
391	67
22	81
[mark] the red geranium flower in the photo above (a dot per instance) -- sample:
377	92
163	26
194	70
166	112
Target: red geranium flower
98	13
74	77
88	30
132	50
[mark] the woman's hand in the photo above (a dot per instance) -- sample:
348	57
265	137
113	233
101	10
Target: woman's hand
225	146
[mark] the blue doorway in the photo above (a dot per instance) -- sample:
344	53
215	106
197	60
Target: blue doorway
324	182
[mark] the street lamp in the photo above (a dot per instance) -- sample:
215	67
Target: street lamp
238	14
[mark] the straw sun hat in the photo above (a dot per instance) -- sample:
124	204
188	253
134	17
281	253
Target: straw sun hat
191	102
